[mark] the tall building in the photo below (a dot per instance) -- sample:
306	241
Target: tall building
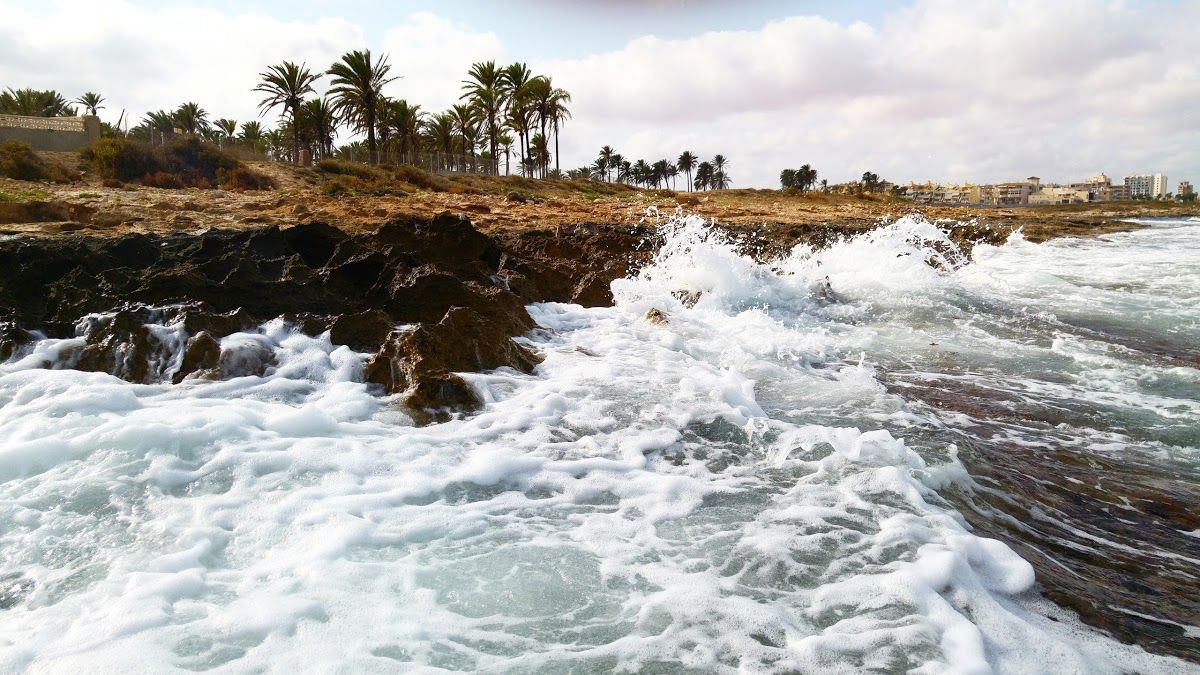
1185	188
1149	185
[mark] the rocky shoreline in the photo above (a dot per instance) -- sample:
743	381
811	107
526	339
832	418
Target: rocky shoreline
426	298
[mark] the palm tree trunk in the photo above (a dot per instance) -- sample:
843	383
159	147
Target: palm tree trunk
295	136
372	151
557	165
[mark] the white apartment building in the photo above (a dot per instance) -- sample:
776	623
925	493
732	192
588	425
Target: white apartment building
1151	185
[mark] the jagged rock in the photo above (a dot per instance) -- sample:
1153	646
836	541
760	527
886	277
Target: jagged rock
202	355
364	331
12	337
656	316
464	340
250	357
120	345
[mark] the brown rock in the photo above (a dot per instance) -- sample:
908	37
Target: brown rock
202	355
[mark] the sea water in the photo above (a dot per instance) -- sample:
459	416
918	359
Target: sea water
745	486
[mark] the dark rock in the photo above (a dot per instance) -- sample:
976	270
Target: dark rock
364	331
12	338
202	355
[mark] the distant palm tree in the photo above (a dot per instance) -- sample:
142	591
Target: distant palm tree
605	159
405	121
286	84
91	102
252	133
318	123
226	130
468	127
357	88
704	176
506	142
440	130
686	163
539	152
191	119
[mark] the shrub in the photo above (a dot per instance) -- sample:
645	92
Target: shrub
180	163
119	159
342	168
18	161
162	179
242	178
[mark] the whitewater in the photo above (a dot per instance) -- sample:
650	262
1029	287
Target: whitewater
767	474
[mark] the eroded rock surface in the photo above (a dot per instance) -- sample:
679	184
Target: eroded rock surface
428	298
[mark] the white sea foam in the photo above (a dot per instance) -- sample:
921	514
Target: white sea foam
728	490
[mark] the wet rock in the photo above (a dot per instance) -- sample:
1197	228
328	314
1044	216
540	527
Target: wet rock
656	316
247	357
121	345
202	356
12	338
464	340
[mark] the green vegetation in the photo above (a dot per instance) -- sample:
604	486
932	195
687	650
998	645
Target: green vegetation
22	196
179	163
35	103
612	166
19	162
802	179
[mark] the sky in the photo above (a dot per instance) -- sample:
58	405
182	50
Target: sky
920	90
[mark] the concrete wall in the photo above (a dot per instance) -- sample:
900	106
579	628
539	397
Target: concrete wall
50	133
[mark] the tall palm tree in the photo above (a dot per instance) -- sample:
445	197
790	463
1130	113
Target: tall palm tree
606	159
720	178
357	88
687	162
286	84
467	125
191	119
485	91
539	151
91	102
558	113
514	82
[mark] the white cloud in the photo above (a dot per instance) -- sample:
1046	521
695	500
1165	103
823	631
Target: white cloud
942	90
938	89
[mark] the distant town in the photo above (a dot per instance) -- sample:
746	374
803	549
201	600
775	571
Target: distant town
1033	192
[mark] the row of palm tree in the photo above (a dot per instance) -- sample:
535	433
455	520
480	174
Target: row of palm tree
801	179
47	103
611	166
496	103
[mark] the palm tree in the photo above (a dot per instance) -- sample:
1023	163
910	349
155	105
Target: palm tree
559	114
870	181
687	162
357	88
405	120
514	83
35	103
319	123
440	130
704	176
159	121
252	134
191	119
539	152
286	84
485	89
605	159
91	102
468	127
226	129
506	142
